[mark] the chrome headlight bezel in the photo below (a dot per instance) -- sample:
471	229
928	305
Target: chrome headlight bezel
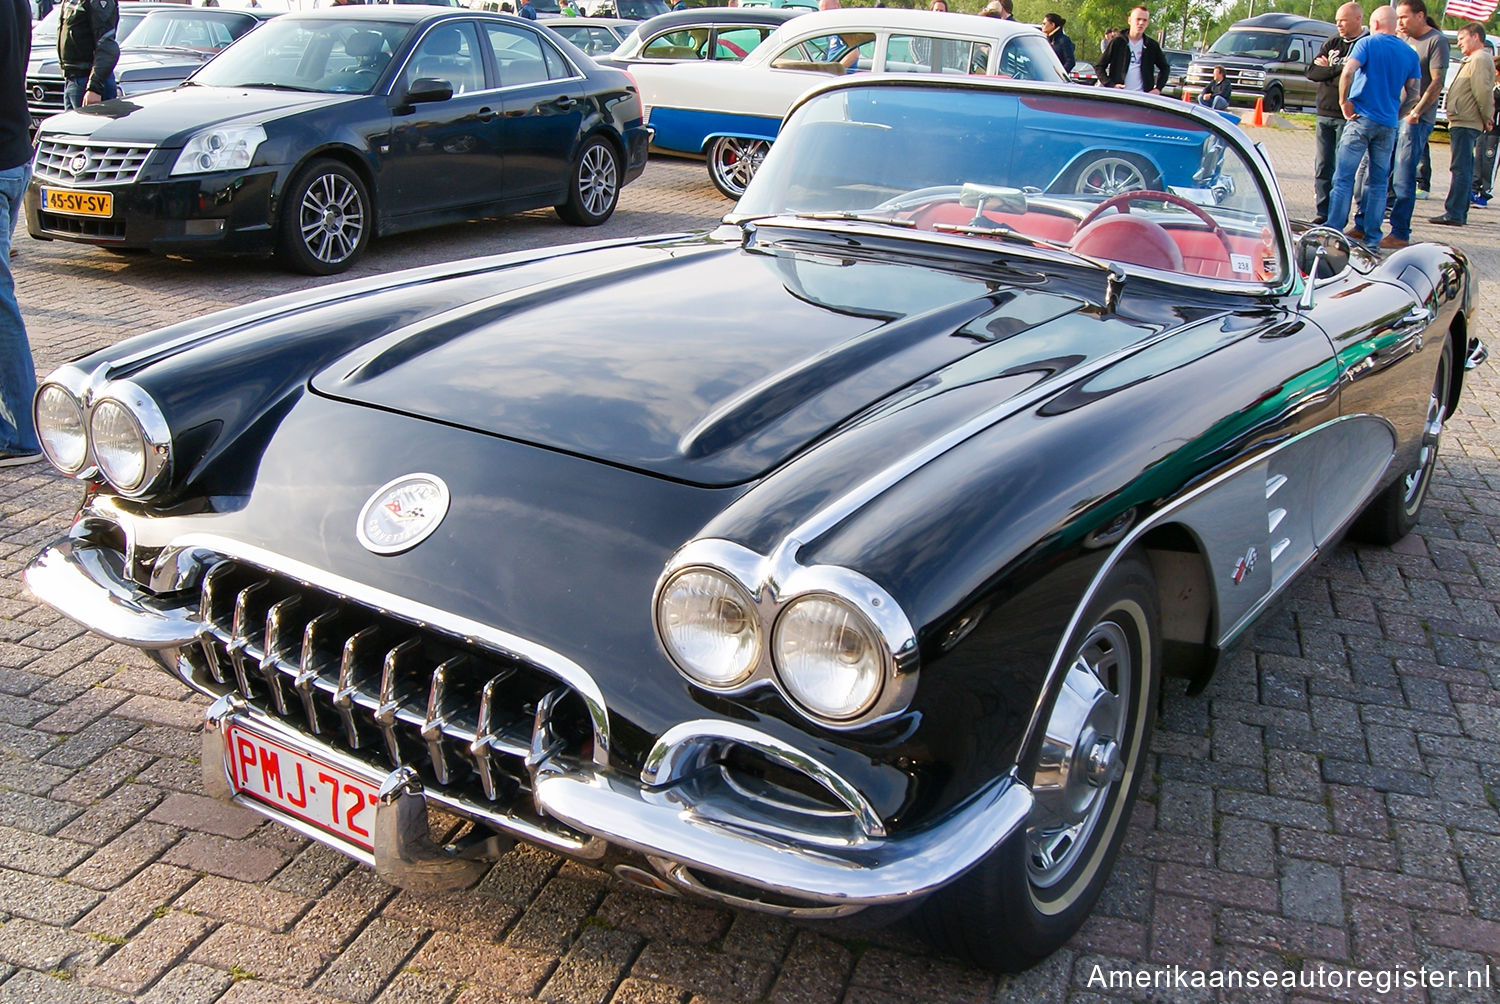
155	436
71	400
800	689
775	589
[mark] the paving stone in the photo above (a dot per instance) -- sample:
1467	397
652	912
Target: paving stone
30	987
470	912
343	911
664	917
1312	890
132	905
419	988
1277	934
147	956
45	948
1246	847
549	923
101	777
34	814
250	903
362	969
471	959
40	855
761	936
83	748
814	972
48	900
235	947
188	981
123	856
245	860
593	967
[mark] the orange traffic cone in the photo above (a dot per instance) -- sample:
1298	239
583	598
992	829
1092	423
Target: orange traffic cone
1187	96
1259	118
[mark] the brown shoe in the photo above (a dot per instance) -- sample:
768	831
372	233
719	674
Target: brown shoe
1392	243
1355	232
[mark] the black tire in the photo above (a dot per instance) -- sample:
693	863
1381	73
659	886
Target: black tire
326	219
594	188
1108	173
1275	100
733	161
1034	891
1395	512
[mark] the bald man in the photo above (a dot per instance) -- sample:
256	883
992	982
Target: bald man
1379	72
1325	69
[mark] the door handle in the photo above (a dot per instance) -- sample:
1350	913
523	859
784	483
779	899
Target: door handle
486	114
565	102
1420	314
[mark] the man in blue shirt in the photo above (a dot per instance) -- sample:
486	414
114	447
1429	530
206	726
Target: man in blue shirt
526	10
1377	73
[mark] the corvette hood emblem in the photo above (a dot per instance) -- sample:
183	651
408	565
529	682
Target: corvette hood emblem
402	513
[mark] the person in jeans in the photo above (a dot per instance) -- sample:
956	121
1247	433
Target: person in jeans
1218	92
1418	117
1325	69
18	444
1379	72
87	51
1471	110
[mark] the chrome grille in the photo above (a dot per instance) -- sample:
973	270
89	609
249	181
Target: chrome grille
389	691
44	95
100	164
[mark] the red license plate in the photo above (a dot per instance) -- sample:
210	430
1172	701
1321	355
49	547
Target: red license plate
300	784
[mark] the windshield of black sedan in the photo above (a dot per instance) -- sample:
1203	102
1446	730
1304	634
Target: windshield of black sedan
336	57
1141	184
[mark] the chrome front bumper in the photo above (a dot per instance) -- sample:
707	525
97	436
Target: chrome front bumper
685	814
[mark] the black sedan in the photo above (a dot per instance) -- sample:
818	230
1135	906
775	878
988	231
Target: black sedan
321	130
836	558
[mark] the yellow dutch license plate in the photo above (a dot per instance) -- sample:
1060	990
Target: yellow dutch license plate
56	200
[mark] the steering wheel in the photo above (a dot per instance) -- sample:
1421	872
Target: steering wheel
1123	200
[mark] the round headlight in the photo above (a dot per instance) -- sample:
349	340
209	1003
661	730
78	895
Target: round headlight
59	427
709	626
829	657
119	445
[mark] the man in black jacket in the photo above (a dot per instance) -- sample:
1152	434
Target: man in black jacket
1325	69
88	50
18	443
1134	61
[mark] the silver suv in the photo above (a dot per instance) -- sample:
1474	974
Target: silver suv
1265	57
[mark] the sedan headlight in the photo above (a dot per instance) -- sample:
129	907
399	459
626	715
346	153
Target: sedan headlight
225	149
828	657
709	626
59	427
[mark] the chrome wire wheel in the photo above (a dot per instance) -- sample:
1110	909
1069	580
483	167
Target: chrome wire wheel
733	161
1110	175
598	180
1081	755
331	218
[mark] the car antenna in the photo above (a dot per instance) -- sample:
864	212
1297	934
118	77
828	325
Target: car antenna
1114	288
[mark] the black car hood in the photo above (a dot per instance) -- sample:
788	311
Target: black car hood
164	118
709	365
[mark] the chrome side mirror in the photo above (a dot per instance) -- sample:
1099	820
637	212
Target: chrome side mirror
1322	253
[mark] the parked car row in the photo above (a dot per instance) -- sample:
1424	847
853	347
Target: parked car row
321	130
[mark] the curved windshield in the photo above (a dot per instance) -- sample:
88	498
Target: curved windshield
335	57
1140	185
1257	44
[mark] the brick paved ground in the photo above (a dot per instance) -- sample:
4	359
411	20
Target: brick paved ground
1332	799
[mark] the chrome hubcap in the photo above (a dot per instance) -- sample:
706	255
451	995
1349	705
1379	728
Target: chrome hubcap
1432	434
1110	176
332	218
1081	758
597	180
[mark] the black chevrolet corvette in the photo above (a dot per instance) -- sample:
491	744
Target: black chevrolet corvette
859	594
321	130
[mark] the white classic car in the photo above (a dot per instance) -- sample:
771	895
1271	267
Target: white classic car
731	111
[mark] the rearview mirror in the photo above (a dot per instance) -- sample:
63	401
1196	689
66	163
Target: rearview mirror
428	89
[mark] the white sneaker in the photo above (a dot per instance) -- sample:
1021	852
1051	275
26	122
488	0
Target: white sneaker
18	459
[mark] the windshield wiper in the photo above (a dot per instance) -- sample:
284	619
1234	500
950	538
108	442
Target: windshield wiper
275	87
858	217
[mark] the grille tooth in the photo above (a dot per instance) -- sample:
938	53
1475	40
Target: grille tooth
398	675
317	669
208	613
437	718
479	747
352	684
281	638
241	642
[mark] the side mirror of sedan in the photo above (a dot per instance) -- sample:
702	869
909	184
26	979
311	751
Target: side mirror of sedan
424	90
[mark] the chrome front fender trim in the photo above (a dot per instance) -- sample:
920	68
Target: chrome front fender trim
88	584
663	824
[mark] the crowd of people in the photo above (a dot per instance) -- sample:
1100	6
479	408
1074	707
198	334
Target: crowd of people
1378	93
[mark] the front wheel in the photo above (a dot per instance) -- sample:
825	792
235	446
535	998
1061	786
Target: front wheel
733	161
594	189
1033	892
1110	174
1274	100
1395	512
325	220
